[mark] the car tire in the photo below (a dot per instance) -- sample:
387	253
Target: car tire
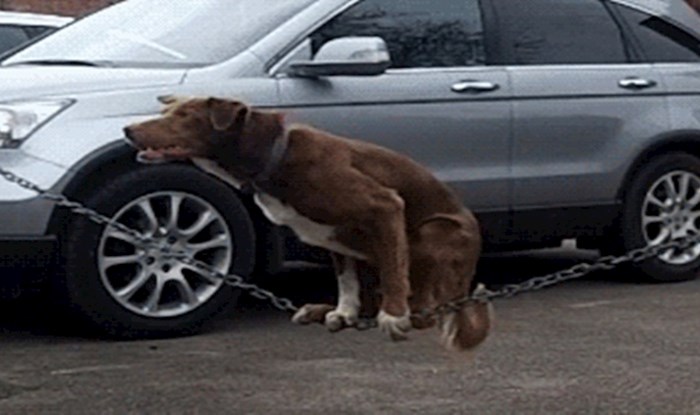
658	206
116	297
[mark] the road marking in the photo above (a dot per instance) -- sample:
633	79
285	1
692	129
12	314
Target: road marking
89	369
590	304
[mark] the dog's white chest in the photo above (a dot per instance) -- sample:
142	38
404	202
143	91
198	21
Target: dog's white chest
308	231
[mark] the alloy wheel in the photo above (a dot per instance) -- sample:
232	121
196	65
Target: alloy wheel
142	279
671	210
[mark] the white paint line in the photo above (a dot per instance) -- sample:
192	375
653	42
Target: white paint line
590	304
89	369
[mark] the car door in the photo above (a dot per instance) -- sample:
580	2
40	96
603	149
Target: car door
439	103
580	93
675	53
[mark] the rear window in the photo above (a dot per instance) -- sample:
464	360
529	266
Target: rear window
549	32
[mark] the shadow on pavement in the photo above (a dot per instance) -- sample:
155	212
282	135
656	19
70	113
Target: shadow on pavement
34	316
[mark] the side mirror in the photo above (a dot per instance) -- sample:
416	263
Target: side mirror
349	56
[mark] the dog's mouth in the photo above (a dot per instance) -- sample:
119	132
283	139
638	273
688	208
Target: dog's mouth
153	155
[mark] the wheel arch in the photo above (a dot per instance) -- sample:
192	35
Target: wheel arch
687	141
118	157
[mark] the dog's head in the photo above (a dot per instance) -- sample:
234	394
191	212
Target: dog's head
199	128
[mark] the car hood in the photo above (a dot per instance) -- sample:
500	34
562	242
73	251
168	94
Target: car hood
24	82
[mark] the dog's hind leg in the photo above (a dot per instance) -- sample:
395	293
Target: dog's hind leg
450	246
348	309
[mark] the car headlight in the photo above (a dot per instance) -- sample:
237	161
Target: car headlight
19	119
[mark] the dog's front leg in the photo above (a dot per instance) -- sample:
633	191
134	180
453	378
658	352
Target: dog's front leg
392	257
348	309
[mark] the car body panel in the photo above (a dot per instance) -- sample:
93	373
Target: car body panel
574	127
23	82
683	84
462	138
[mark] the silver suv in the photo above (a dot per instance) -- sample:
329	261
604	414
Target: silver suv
563	119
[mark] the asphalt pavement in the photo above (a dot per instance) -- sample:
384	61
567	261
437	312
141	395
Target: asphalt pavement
602	345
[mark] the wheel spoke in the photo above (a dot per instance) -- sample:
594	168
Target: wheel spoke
684	185
111	261
203	274
220	241
202	222
134	286
174	211
695	200
153	301
647	220
655	200
187	293
671	191
664	236
122	236
147	209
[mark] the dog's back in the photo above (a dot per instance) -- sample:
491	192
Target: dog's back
423	194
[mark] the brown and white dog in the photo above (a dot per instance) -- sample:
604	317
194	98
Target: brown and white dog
378	212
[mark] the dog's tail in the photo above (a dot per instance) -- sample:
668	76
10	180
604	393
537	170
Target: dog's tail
467	327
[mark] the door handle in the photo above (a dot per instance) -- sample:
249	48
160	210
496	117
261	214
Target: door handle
636	83
474	87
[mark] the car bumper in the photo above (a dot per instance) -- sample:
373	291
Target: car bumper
22	213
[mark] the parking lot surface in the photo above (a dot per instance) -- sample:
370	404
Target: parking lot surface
596	346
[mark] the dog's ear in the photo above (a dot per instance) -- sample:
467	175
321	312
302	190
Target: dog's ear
225	114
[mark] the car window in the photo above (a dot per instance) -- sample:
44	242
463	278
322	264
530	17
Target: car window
164	33
560	32
11	36
436	33
660	40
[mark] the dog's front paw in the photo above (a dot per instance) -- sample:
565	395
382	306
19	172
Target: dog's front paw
340	318
312	313
396	327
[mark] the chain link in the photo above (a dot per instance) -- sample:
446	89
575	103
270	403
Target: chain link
146	241
480	295
606	263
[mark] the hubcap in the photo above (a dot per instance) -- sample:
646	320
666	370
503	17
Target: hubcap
146	282
671	210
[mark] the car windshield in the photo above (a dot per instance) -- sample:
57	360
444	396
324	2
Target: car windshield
162	33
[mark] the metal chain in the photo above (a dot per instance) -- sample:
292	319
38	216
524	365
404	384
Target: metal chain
479	296
606	263
234	280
